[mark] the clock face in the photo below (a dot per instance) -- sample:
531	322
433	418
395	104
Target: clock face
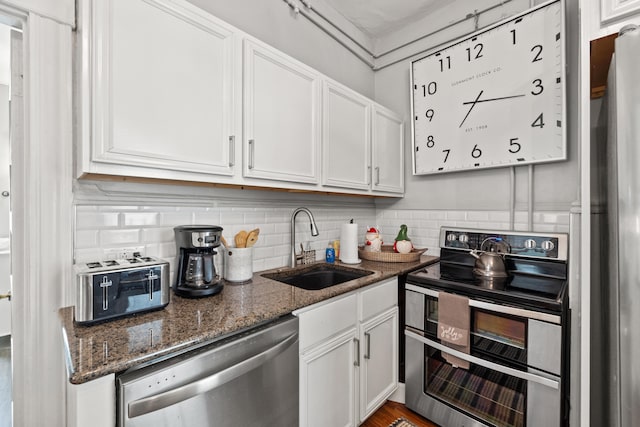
495	98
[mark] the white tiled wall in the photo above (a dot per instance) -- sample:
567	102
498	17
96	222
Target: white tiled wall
424	225
150	228
100	228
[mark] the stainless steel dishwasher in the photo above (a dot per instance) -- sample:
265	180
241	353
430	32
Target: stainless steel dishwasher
249	379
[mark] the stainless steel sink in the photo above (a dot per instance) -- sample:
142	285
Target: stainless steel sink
317	276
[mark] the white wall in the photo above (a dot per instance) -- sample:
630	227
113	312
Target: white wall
273	22
556	185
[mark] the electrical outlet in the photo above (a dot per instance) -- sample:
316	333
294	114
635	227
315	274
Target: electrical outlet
123	253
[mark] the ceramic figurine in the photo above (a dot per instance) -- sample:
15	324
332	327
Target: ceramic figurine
373	240
402	244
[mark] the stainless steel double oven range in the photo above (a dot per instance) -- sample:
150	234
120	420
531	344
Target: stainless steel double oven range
518	332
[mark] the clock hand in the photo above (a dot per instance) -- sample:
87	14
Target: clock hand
491	99
473	104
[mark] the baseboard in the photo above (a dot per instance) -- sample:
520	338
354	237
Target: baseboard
398	395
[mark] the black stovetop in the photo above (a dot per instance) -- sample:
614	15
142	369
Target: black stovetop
533	284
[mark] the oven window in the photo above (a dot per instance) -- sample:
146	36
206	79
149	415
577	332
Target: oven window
489	395
510	331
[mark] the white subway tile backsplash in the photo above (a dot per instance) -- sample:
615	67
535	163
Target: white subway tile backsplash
94	220
176	218
103	227
87	239
119	237
456	215
140	218
479	216
163	234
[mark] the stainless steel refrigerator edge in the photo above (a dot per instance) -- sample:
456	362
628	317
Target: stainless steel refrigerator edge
615	391
250	379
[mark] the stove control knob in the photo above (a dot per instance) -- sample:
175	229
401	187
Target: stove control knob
548	245
463	238
452	237
530	244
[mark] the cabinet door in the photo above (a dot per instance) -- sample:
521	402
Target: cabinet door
281	116
162	87
388	155
379	361
346	138
328	382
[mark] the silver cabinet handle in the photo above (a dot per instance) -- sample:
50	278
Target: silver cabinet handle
369	175
187	391
367	338
252	149
232	150
377	175
357	343
485	363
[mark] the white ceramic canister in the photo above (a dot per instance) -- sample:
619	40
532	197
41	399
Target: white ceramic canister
238	264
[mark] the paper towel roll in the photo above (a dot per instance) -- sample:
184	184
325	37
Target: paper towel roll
349	244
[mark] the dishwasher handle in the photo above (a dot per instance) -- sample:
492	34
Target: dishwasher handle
187	391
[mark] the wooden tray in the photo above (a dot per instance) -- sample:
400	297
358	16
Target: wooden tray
388	255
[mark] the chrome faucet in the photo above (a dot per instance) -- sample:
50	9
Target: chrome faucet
314	232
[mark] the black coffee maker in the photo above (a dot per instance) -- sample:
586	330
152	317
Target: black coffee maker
196	275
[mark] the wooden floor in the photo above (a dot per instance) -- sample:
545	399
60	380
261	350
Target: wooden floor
390	412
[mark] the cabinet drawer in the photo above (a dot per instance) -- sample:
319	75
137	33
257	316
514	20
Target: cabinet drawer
379	298
327	320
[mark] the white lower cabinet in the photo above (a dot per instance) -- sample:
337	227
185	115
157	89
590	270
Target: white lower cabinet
348	356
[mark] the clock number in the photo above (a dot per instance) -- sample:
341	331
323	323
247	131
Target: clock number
513	36
538	122
514	146
429	89
538	54
478	50
446	155
431	142
442	63
538	85
476	152
429	114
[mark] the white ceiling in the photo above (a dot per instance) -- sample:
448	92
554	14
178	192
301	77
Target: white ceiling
379	17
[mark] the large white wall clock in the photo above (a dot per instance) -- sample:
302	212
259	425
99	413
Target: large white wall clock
494	98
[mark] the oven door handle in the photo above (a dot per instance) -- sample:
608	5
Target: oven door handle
513	311
485	363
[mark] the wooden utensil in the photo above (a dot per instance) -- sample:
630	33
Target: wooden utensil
241	239
252	237
224	241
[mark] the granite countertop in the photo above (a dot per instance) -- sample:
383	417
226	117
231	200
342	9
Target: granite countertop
94	351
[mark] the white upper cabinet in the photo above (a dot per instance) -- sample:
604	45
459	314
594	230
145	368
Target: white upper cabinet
280	115
605	17
168	91
388	155
346	138
161	87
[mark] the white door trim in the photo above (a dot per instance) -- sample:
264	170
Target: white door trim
42	224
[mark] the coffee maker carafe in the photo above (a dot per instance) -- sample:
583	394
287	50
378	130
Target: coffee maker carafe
196	274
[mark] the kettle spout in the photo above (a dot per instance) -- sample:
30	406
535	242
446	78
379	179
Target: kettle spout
474	253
